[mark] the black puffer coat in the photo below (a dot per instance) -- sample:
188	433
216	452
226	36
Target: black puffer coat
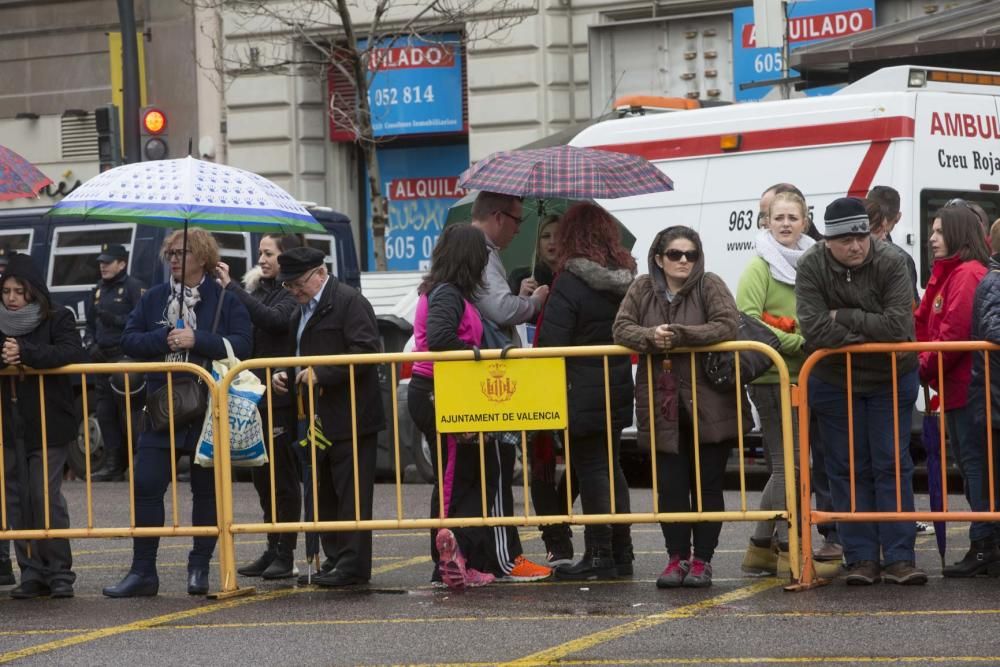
986	326
54	342
580	310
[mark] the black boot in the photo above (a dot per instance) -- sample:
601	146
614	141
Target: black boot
6	573
597	563
257	567
282	567
624	555
983	556
113	469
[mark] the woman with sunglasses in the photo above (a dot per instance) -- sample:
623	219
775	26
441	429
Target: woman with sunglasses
959	255
679	305
271	309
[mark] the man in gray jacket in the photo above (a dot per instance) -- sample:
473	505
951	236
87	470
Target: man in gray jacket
499	218
851	288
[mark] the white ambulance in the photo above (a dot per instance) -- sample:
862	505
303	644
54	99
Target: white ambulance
932	134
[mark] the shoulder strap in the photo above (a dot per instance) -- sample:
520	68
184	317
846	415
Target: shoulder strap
218	309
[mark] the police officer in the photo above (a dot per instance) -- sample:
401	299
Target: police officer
108	307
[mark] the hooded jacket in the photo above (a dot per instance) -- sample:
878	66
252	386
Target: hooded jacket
874	304
945	314
54	342
702	312
581	310
986	327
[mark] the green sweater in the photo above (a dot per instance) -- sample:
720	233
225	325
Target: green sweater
759	292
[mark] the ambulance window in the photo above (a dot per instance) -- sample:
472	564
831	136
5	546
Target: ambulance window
16	240
932	200
325	243
73	263
234	249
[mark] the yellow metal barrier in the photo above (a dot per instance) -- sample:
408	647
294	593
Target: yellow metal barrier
175	529
228	528
814	517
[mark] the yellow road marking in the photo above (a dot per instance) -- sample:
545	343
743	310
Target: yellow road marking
556	652
104	633
764	660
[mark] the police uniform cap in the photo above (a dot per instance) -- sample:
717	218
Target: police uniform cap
111	252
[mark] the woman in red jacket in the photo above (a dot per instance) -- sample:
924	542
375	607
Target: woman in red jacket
960	255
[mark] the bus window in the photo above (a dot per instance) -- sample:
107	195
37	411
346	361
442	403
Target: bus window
16	240
932	200
73	262
234	249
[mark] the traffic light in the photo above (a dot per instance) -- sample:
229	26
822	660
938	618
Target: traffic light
109	144
153	127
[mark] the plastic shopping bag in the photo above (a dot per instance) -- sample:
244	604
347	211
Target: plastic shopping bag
246	433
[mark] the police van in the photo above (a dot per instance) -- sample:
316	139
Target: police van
932	134
66	249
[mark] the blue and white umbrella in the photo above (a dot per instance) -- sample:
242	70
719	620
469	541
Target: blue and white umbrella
188	192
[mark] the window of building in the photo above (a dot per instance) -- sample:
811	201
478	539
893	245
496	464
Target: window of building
73	261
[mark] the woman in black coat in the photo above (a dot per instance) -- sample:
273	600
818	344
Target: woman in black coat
594	273
38	334
271	308
166	326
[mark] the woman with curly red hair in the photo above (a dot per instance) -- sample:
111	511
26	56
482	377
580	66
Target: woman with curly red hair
594	272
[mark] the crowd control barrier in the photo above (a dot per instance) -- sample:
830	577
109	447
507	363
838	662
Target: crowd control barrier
10	381
464	383
812	517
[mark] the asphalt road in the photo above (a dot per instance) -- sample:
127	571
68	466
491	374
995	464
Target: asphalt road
400	619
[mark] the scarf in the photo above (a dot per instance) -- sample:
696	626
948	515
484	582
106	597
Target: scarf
192	297
22	321
782	260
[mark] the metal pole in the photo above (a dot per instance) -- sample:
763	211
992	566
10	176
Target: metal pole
130	81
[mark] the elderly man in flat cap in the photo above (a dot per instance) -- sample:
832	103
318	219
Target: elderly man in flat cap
851	288
333	318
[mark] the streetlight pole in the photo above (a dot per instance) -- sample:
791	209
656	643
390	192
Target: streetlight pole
130	81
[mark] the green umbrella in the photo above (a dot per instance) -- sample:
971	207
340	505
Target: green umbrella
521	250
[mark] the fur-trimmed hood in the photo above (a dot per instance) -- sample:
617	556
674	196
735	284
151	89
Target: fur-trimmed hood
601	278
251	279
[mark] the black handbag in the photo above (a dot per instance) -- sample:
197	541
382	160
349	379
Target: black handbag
720	367
190	395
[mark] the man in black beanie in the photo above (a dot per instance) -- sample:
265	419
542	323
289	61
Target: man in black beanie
850	289
333	318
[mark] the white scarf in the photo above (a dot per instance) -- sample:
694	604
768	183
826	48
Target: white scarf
782	260
192	297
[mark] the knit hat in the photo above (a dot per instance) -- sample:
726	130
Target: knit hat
23	268
845	216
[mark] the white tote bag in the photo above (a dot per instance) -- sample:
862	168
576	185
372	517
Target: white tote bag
246	433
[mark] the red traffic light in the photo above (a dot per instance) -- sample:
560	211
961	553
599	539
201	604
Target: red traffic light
154	121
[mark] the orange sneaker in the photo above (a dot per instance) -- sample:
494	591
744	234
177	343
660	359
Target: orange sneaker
525	570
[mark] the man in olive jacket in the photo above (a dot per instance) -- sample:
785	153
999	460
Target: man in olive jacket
333	318
851	288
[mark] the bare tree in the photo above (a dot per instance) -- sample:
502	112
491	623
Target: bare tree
311	36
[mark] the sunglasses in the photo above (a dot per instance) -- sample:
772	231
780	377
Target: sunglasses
675	255
957	201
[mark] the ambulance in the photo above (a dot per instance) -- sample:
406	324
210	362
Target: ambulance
932	134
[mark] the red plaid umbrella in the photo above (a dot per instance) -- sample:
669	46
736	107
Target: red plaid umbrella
567	172
18	177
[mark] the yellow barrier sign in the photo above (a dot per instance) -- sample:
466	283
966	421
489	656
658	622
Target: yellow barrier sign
500	395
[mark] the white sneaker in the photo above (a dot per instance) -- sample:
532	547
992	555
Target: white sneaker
925	528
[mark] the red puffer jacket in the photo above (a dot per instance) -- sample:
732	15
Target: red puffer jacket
945	314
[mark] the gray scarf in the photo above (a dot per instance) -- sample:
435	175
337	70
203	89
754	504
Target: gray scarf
782	260
22	321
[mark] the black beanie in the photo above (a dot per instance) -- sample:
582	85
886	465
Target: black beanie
23	268
844	216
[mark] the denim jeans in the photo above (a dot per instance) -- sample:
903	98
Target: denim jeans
968	441
874	465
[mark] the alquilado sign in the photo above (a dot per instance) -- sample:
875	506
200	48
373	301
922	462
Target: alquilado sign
500	395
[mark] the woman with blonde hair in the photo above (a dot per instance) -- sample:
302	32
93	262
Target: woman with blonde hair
184	319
